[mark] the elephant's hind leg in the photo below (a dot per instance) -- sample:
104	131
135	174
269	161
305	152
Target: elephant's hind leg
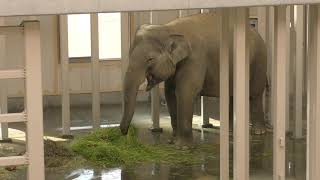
257	116
172	107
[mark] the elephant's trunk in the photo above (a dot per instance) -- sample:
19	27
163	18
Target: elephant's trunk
131	85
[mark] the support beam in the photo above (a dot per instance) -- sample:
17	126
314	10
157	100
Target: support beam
263	22
45	7
64	60
13	161
271	60
224	93
313	137
155	94
205	112
299	68
3	89
241	96
280	85
95	71
188	12
13	117
34	101
291	56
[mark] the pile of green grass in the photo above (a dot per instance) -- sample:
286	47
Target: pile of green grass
107	147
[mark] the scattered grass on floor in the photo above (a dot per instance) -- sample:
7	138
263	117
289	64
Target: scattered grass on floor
107	147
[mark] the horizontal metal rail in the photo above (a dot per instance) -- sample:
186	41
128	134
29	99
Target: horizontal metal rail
44	7
13	117
5	30
12	74
13	160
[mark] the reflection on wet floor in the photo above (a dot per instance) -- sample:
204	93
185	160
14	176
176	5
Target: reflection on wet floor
260	151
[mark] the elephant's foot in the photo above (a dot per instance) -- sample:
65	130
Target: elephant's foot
184	144
258	129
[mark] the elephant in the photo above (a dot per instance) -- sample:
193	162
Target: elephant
184	54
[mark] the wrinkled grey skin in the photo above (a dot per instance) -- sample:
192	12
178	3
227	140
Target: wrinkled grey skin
185	54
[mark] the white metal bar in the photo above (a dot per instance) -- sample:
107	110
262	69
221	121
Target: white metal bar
300	58
280	84
34	101
64	58
224	94
90	127
241	96
263	22
44	7
95	71
3	89
13	117
271	58
205	110
12	74
13	160
313	137
291	42
155	93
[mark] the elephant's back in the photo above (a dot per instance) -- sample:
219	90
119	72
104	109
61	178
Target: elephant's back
203	31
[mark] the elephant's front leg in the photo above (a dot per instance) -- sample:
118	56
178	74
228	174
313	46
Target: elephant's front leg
172	107
185	100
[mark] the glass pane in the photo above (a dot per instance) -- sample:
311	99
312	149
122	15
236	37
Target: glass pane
79	36
109	35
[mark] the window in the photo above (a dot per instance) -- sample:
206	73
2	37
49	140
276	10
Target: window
109	35
79	35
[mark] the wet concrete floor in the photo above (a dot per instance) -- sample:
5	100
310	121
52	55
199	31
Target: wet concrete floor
260	150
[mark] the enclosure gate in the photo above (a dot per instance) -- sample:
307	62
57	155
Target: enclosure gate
32	115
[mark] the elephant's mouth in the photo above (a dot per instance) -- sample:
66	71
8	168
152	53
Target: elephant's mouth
152	81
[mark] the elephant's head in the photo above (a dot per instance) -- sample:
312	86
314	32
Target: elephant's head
154	55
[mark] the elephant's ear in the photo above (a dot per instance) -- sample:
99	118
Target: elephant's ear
178	47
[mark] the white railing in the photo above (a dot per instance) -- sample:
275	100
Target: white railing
32	115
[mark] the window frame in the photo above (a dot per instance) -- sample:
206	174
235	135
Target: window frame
87	59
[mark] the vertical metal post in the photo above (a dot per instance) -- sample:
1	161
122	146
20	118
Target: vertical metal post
34	101
3	90
313	136
290	56
95	71
241	96
155	98
264	24
300	59
224	94
64	58
271	59
280	85
205	112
